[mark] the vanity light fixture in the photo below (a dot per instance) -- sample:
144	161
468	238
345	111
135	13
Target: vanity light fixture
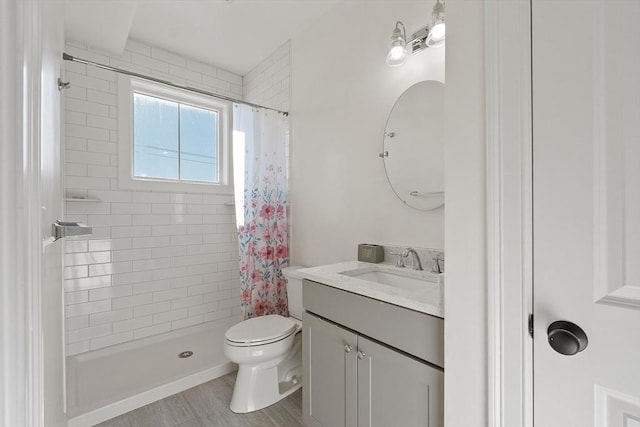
431	35
397	46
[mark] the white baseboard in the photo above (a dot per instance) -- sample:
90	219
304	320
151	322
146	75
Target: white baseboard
123	406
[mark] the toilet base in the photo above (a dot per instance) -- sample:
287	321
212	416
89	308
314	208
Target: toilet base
257	387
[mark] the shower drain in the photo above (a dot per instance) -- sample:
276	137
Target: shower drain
185	354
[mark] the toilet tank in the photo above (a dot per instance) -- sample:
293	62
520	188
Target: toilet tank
294	290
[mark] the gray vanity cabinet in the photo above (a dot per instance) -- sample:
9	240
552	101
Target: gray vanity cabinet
397	390
352	380
330	374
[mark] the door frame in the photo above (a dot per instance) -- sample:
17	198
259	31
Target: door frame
509	212
21	398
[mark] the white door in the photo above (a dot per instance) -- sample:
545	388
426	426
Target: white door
586	162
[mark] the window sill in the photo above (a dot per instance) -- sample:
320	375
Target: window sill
128	183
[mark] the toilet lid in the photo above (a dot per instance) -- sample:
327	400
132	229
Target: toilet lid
261	329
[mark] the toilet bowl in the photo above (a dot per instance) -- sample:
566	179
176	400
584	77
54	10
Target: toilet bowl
268	351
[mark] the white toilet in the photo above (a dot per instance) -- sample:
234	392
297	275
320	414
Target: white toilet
268	351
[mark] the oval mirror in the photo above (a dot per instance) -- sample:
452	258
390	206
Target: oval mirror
413	146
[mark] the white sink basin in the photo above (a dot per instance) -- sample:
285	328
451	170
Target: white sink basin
418	290
410	280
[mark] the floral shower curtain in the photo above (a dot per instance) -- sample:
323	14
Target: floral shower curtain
263	223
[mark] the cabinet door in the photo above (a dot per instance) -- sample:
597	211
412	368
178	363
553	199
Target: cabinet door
397	390
329	392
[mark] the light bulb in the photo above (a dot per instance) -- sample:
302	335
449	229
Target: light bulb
397	53
397	56
436	35
437	32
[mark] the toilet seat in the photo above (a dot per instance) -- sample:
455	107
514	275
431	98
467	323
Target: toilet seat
260	331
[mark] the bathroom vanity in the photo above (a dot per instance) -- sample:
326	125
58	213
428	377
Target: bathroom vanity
373	353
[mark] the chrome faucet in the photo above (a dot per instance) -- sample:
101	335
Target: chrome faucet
416	264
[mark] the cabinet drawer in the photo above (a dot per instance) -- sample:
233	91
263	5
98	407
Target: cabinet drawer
415	333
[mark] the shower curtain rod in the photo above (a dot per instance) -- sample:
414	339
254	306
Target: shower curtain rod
68	57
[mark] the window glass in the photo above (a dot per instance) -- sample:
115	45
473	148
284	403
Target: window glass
198	144
155	136
174	141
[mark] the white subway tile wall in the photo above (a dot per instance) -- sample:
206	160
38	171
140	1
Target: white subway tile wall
157	261
268	83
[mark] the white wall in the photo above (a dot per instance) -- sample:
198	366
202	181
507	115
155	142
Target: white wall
12	306
342	93
48	205
30	295
158	261
465	290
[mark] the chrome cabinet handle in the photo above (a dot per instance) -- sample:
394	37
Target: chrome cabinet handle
348	348
361	355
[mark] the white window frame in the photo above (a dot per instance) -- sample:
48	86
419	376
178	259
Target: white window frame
127	86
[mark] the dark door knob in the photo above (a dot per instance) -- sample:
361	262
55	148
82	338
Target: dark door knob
566	338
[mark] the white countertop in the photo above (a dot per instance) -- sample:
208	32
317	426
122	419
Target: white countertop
429	301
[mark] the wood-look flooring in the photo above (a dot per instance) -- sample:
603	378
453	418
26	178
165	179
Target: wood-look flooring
207	405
